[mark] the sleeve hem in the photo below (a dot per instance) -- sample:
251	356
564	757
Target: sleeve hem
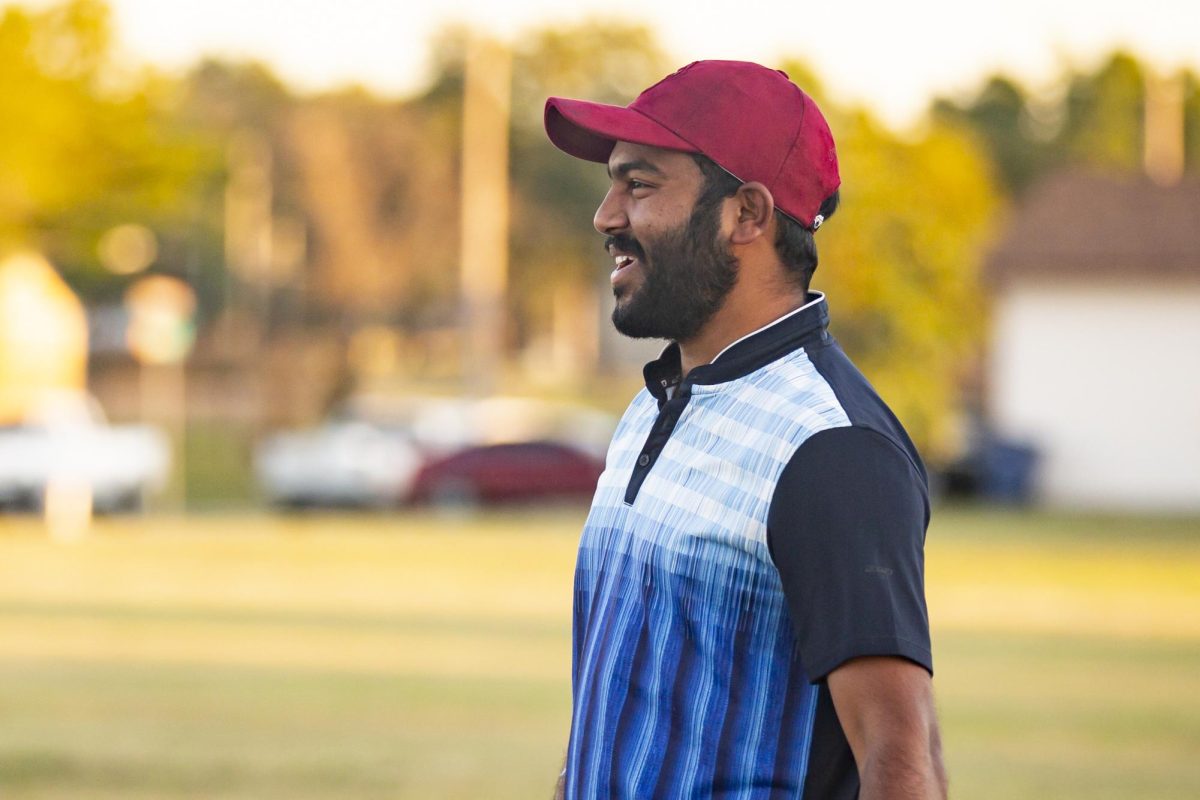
878	646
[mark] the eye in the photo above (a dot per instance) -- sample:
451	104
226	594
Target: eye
634	185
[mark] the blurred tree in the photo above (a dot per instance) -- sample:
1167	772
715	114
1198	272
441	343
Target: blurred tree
1191	122
1098	120
365	182
372	185
213	104
84	146
224	96
1000	115
1103	124
378	184
901	261
554	197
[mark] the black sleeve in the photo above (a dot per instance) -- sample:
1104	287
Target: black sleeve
846	530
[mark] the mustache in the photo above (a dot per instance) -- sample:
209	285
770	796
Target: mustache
625	243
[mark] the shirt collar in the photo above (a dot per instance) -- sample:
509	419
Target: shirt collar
813	299
745	355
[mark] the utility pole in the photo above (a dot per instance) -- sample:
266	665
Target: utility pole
484	215
1164	128
248	236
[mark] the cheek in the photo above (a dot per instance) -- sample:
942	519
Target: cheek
651	222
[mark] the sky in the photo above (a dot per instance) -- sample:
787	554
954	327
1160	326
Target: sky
893	57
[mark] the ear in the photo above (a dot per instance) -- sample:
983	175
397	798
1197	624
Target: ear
755	212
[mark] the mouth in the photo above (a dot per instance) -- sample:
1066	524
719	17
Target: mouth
621	264
625	253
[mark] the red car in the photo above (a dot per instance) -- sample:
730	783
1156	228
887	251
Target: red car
508	472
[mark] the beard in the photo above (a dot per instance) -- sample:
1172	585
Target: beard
687	274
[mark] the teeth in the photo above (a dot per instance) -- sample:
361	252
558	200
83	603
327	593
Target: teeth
623	261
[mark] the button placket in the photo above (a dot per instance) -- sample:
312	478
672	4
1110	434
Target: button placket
669	414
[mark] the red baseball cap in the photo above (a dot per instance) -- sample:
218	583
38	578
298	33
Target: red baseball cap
752	121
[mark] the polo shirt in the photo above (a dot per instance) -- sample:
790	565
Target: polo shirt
759	522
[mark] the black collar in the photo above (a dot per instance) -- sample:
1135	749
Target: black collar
794	330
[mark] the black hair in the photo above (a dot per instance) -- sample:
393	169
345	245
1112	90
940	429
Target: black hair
794	243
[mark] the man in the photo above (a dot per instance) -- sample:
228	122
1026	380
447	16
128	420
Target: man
749	617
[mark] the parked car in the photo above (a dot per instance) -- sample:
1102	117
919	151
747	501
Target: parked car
443	425
372	452
345	462
67	439
508	472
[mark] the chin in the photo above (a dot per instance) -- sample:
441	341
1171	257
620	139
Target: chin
624	296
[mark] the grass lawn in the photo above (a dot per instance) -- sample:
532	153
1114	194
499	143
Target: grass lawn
426	656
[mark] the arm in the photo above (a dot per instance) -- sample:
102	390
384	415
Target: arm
560	786
885	706
847	530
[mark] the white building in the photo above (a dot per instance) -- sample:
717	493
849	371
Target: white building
1095	346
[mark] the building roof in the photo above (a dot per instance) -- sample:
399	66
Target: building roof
1079	224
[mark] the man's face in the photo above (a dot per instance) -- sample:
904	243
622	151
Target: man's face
673	269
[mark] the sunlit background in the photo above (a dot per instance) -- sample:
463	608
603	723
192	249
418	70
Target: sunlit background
306	376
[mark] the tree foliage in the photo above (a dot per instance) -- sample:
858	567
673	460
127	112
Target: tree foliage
1095	118
83	147
555	196
900	260
374	184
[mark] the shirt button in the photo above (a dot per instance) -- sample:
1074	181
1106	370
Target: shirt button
643	460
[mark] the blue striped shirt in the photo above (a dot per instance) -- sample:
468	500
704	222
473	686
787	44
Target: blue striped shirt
690	677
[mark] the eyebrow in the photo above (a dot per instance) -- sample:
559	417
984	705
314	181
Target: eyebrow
623	169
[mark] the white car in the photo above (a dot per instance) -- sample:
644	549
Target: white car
67	441
344	462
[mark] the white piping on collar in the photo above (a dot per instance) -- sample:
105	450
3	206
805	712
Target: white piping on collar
819	297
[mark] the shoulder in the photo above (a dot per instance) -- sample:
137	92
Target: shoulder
853	459
868	416
846	477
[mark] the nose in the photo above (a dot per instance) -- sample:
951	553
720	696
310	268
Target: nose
610	216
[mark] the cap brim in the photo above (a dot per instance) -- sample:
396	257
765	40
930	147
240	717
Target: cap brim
589	130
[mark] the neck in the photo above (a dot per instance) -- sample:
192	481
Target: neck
740	315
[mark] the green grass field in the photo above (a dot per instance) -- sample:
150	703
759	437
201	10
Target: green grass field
425	656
